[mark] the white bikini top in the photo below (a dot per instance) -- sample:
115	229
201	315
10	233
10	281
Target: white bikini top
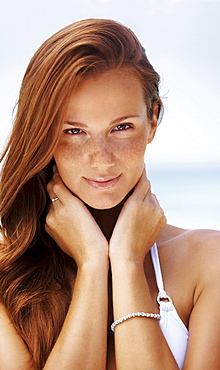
173	328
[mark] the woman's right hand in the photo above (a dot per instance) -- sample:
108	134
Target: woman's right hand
72	226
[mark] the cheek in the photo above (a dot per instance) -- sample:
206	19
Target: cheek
130	150
67	155
133	150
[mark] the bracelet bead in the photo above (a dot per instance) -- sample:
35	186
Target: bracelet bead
135	314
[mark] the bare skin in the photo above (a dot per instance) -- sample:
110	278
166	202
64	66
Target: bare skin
115	273
192	286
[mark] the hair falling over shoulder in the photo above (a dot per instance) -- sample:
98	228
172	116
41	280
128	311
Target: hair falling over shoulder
34	272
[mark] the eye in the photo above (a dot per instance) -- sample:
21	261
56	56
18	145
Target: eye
122	127
73	131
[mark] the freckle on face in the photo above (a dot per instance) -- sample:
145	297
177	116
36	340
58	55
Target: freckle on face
73	153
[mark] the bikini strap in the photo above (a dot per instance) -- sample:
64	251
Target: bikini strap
158	274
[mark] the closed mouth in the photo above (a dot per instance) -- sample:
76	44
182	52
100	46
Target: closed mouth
103	182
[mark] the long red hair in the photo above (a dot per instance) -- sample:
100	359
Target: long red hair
34	272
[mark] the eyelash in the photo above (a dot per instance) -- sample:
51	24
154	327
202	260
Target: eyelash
77	131
70	131
123	127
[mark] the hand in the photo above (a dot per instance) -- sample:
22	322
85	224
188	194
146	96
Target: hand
139	224
72	226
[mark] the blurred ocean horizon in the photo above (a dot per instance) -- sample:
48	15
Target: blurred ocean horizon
188	193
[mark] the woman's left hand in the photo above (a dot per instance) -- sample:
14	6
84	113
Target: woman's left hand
139	224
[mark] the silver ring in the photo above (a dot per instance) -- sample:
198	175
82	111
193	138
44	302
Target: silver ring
54	199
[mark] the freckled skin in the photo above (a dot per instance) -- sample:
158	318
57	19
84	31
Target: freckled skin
105	135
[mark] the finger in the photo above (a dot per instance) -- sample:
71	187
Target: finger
152	202
53	187
54	199
50	189
57	189
55	172
152	199
142	187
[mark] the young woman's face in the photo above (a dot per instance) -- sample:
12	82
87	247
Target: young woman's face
100	154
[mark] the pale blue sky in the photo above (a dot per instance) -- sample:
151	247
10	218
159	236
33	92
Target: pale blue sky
182	42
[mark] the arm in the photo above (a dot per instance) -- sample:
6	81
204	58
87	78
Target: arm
204	328
139	342
82	340
13	351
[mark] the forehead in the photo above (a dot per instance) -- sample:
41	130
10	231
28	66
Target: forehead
117	92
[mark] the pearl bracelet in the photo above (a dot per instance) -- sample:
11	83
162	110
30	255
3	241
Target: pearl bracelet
135	314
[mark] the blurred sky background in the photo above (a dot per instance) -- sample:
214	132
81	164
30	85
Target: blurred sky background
182	41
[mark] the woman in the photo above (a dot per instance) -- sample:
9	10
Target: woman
92	277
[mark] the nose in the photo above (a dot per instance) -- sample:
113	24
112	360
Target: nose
101	153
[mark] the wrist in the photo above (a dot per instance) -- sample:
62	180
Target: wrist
97	262
126	253
119	262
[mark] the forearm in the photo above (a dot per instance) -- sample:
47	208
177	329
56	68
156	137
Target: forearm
139	342
82	340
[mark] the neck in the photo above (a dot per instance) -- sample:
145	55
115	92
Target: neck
107	218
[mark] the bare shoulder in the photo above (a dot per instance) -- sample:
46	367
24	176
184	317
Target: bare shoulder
203	239
13	351
204	248
5	322
202	260
199	250
190	261
201	242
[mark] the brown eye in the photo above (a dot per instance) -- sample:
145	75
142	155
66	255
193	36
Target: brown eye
73	131
122	127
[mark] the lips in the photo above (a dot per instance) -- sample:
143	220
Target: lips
103	182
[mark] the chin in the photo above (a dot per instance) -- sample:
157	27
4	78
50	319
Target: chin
107	202
102	205
103	201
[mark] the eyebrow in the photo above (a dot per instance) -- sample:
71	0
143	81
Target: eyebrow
123	118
